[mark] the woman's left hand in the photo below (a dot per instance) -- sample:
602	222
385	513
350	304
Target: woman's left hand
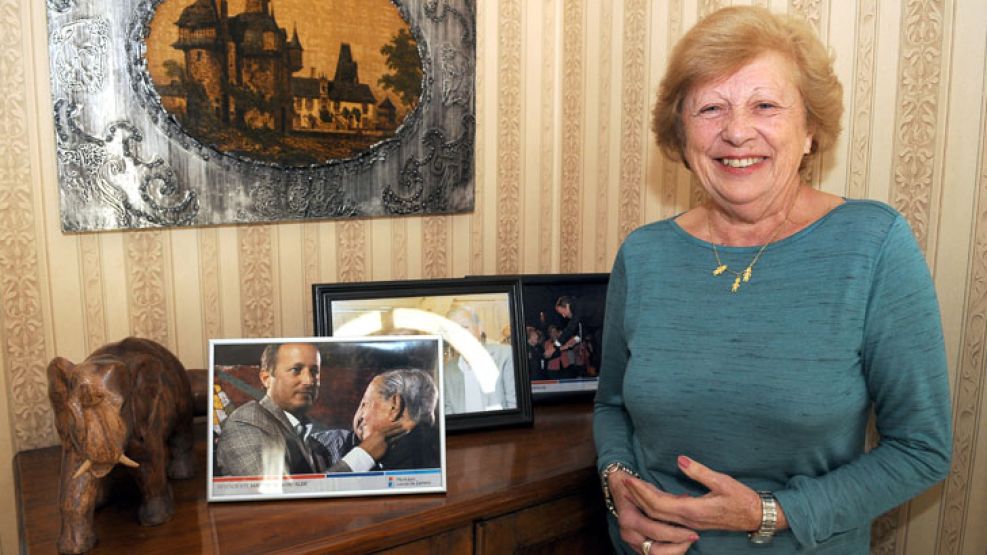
729	505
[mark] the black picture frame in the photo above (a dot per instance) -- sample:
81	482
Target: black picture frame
539	293
415	460
386	306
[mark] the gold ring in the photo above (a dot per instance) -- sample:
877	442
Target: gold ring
646	546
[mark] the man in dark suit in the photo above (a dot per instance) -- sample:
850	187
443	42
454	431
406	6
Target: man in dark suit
273	436
409	399
572	333
401	404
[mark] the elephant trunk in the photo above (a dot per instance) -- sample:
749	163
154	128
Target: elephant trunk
102	437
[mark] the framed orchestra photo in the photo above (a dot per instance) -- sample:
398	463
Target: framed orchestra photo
563	324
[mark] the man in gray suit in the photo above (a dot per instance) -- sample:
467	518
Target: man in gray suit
273	436
463	392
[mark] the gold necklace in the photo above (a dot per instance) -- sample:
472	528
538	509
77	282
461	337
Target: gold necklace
744	276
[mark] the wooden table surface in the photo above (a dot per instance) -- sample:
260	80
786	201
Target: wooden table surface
488	473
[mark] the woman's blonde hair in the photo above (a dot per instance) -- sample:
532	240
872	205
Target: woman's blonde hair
729	39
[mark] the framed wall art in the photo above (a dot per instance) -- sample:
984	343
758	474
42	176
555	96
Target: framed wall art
325	417
485	381
198	112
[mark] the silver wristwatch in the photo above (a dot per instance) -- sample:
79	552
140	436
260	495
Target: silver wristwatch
769	519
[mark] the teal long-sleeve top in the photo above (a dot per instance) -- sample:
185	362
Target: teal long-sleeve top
773	384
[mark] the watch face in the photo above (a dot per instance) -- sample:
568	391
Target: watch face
759	538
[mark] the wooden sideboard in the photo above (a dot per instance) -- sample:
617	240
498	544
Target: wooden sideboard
530	490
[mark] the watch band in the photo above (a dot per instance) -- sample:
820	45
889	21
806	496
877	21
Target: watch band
769	519
605	482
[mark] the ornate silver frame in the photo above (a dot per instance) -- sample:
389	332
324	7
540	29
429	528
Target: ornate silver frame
124	162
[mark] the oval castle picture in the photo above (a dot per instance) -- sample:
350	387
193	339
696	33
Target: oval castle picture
289	82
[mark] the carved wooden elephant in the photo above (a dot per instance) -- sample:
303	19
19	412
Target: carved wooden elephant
130	403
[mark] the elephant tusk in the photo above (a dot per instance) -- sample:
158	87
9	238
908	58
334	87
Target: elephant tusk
86	465
127	461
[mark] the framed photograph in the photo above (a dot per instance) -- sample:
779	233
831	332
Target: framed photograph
563	322
485	380
325	417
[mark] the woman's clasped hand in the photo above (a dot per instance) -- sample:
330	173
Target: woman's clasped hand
672	521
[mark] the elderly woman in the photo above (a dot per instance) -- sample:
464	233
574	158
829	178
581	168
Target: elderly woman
747	340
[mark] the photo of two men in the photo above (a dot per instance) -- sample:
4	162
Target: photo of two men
310	407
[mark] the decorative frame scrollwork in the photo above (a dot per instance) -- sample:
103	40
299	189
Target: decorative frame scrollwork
126	162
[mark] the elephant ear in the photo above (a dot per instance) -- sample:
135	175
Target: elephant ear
60	373
105	431
148	391
120	376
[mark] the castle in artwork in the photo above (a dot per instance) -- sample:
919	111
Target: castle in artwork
239	71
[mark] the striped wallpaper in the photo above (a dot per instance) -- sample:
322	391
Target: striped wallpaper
565	168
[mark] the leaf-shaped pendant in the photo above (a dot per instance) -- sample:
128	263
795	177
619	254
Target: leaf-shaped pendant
736	285
747	274
720	269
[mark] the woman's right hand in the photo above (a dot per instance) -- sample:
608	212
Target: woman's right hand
636	527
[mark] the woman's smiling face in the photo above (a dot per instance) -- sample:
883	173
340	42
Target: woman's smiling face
746	134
